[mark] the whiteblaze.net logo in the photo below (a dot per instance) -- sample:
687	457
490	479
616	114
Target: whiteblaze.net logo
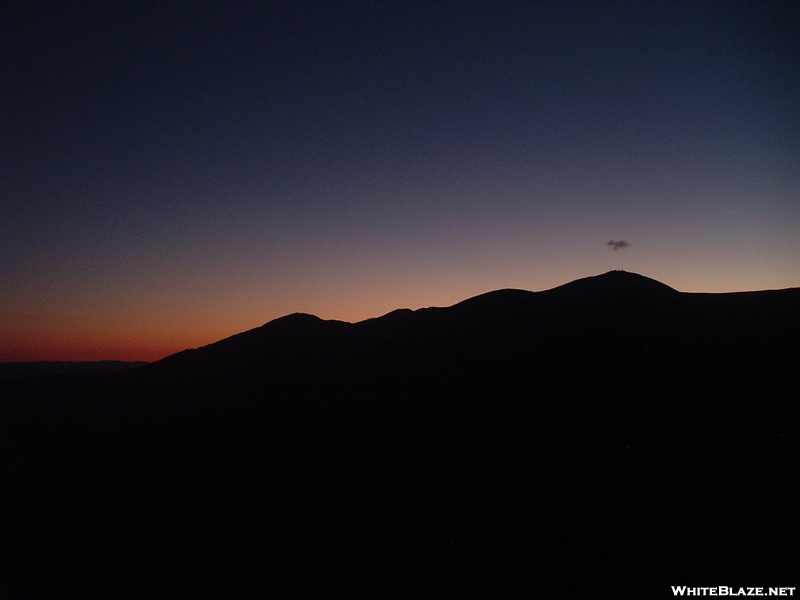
723	590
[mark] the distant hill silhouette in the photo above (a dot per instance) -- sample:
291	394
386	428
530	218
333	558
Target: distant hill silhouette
18	370
611	435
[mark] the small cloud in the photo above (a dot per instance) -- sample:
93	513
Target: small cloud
620	245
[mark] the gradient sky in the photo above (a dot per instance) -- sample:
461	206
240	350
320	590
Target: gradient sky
172	173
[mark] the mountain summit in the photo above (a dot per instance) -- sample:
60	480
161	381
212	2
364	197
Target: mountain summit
616	284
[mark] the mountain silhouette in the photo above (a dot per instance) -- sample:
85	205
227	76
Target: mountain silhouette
608	435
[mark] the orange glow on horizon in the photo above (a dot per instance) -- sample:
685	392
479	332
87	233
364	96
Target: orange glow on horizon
149	331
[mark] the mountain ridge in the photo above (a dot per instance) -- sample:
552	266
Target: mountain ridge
612	286
617	309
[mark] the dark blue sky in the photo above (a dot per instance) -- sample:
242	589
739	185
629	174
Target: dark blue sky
175	172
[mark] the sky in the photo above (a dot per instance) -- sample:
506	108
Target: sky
173	173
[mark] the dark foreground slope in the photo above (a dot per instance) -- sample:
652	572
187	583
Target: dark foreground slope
612	434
